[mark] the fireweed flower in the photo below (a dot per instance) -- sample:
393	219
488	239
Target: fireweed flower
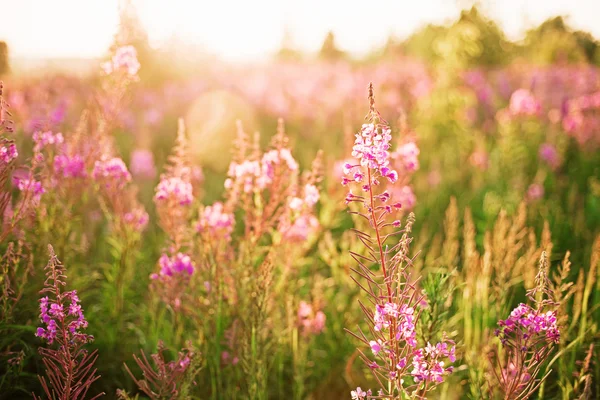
216	222
142	164
137	219
360	394
522	102
8	153
527	336
69	166
69	367
112	172
394	354
309	321
480	159
408	156
29	185
535	192
176	265
549	155
174	189
124	60
47	138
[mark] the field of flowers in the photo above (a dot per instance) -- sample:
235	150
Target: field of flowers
446	245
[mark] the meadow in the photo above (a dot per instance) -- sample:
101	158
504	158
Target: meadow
404	227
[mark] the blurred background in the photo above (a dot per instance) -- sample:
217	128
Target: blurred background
502	99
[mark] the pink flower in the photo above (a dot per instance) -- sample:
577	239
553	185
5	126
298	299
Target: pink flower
522	102
29	185
8	153
170	266
174	188
311	195
480	159
408	155
535	191
69	167
124	60
549	154
371	148
142	164
112	171
216	222
360	394
43	139
405	196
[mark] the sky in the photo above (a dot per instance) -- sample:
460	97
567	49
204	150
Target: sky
247	29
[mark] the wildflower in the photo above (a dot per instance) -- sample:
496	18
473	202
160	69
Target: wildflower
43	139
371	148
535	191
8	153
170	266
216	222
405	196
360	394
522	102
69	167
174	188
549	154
309	320
528	322
301	228
311	195
137	219
479	159
124	60
29	185
112	171
408	155
142	164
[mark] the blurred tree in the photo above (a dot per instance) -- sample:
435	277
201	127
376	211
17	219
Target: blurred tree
287	50
4	64
329	50
554	41
473	40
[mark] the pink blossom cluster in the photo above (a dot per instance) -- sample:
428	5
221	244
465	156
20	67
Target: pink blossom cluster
527	323
69	166
124	60
480	159
215	221
309	320
176	189
255	174
137	219
8	153
523	102
404	195
112	171
29	185
535	192
301	222
311	197
56	315
360	394
177	265
581	119
142	164
400	316
371	148
408	156
43	139
549	155
428	364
